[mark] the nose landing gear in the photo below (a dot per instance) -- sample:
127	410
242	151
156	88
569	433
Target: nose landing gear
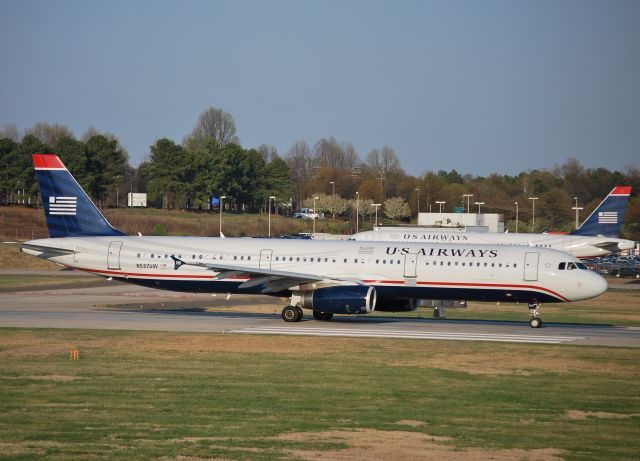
534	312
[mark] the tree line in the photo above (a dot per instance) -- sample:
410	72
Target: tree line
210	161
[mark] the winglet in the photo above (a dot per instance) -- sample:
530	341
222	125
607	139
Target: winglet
177	263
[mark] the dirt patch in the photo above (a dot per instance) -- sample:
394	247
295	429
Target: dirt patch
514	361
579	415
56	378
367	444
410	422
27	447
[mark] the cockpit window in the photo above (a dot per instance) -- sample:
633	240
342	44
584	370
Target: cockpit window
561	266
582	266
570	266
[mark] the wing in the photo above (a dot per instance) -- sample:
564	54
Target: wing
271	280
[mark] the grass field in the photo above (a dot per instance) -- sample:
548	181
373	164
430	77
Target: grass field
206	396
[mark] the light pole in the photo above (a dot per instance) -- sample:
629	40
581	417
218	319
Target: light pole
270	198
377	205
533	216
516	217
577	208
333	198
221	199
314	218
468	196
479	205
357	211
418	195
439	202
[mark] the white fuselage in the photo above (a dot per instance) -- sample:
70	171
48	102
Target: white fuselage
396	270
579	246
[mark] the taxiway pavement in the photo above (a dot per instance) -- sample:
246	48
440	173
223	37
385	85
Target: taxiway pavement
91	308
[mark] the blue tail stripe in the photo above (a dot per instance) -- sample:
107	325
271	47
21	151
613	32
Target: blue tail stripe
606	220
68	209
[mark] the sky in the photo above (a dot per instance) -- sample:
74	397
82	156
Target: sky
478	86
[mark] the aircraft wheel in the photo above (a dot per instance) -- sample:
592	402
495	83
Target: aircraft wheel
300	313
291	314
535	322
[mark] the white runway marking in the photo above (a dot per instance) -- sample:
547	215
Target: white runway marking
400	334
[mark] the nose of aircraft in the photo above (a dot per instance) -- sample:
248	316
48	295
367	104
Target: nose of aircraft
594	285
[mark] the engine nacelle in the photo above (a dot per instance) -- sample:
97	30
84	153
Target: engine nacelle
351	299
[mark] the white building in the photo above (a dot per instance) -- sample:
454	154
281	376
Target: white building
491	221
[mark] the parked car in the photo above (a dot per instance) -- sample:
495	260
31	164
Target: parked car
306	213
625	272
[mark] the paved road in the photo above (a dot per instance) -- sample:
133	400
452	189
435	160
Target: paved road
87	308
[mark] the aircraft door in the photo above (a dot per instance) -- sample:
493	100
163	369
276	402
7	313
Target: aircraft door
113	256
410	263
265	259
531	266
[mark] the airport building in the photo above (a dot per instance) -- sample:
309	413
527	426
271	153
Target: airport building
490	222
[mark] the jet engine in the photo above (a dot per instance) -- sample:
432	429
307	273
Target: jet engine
351	299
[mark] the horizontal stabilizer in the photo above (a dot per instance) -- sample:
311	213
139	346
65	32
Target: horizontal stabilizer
42	248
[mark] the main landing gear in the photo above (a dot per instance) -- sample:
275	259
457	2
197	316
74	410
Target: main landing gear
534	312
294	314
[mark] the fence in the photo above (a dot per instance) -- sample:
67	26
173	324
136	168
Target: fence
23	233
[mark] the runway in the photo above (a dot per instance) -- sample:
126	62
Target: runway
91	308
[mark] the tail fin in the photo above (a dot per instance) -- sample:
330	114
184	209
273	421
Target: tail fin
606	219
68	209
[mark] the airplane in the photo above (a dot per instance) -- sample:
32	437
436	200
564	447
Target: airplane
327	277
597	236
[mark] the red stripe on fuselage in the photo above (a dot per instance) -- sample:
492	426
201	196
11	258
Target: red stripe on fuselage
496	285
48	161
386	282
136	274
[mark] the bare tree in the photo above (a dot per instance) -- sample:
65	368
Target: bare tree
214	125
48	134
268	152
9	132
383	161
328	153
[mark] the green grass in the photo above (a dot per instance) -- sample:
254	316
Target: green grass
145	395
